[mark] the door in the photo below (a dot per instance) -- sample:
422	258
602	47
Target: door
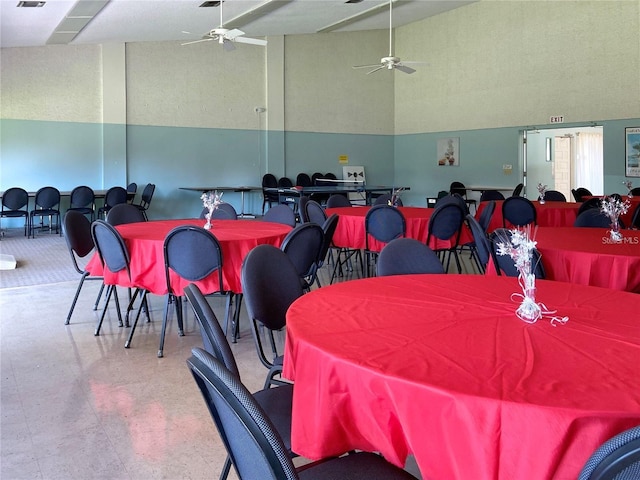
561	161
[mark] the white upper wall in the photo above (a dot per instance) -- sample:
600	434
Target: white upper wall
511	63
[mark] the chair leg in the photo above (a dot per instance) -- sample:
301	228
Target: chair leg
179	313
225	469
143	300
95	305
75	298
164	326
110	290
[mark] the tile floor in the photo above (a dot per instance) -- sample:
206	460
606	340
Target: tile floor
77	406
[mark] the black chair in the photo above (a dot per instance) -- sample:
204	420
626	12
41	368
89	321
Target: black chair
303	245
252	441
517	190
124	213
270	284
314	213
460	189
616	459
452	198
303	180
446	224
579	193
635	191
482	248
635	219
302	212
77	233
488	195
485	216
132	189
592	217
616	196
276	402
594	203
285	182
269	181
83	200
193	254
225	211
554	196
114	196
114	255
338	200
280	214
382	223
145	199
385	199
504	263
406	256
47	204
15	204
329	228
518	211
315	177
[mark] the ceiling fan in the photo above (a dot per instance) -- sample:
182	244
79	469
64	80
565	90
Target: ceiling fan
391	61
226	37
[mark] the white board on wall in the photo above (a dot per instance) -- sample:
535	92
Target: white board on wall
356	175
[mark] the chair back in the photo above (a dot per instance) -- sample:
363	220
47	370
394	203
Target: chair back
132	188
491	195
518	211
270	284
592	217
269	181
303	180
517	190
579	193
315	177
303	245
385	199
452	198
280	214
384	223
635	219
405	256
589	204
77	233
15	199
481	241
147	195
213	338
225	211
446	221
302	208
635	191
329	228
114	196
252	442
124	213
47	198
459	188
616	459
337	200
504	263
314	212
285	182
554	196
111	247
485	216
82	197
193	253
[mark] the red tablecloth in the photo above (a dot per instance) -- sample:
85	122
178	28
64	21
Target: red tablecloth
350	230
439	366
145	243
627	217
550	214
588	257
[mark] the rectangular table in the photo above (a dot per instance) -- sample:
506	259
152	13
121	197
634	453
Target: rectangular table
293	194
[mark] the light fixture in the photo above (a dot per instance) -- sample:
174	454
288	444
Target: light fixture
548	149
30	4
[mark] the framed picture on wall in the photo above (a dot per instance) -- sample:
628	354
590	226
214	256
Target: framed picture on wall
632	151
449	152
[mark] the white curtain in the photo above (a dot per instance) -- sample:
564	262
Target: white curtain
588	171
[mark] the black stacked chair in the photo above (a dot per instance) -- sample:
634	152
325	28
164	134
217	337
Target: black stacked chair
460	189
446	224
504	263
145	200
554	196
276	402
83	200
303	245
114	196
579	193
285	182
303	180
406	256
124	213
517	190
15	204
280	214
193	254
271	197
518	211
256	449
270	284
383	223
77	233
132	189
616	459
488	195
114	255
47	204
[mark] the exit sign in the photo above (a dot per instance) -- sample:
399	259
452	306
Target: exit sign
556	119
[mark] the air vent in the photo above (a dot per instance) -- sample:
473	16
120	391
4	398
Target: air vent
353	1
212	3
30	4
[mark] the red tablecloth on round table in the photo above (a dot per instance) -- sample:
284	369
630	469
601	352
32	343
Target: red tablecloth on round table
549	214
439	366
588	257
350	230
145	243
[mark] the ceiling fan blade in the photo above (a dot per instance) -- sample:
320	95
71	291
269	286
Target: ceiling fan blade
379	67
232	34
404	68
251	41
197	41
228	45
409	62
367	66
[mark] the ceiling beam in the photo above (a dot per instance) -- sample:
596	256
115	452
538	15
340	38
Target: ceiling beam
361	16
255	13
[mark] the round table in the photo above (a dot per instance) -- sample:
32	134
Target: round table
145	242
588	257
440	366
549	214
